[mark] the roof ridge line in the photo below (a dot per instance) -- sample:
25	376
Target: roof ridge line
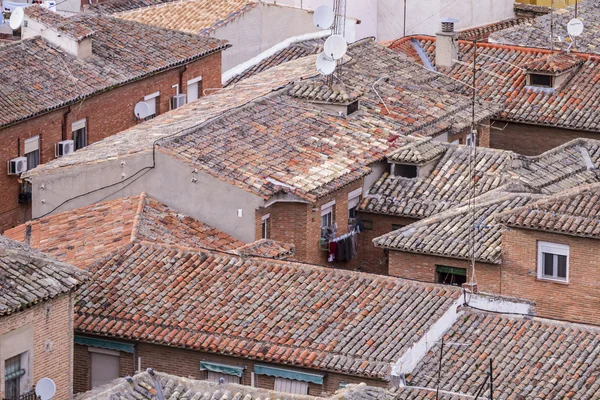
137	219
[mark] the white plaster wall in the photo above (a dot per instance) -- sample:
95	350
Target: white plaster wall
261	28
209	200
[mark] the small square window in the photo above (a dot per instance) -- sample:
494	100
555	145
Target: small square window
553	261
450	275
540	80
405	171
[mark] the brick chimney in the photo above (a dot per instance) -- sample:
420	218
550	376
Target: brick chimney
71	36
446	48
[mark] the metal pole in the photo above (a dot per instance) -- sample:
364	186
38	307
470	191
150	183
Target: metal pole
491	380
437	392
404	27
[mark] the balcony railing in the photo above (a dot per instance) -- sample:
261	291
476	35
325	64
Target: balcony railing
26	396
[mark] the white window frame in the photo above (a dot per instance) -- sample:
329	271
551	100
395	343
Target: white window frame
354	199
556	249
32	145
327	208
76	126
191	82
264	226
151	101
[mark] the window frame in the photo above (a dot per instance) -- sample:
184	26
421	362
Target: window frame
152	101
533	76
556	249
198	83
102	352
265	228
354	198
28	143
327	209
78	128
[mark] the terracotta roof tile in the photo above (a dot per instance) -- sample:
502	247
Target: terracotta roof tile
84	235
532	359
342	319
66	26
193	16
122	52
267	248
483	32
28	277
573	212
502	80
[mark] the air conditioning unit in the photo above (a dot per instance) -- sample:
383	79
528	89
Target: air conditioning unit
17	166
65	147
178	101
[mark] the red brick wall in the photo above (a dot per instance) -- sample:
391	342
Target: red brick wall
533	139
483	138
52	323
422	267
106	113
374	259
578	300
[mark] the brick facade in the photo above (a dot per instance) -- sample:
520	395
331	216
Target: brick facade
578	300
51	349
106	113
532	140
422	267
184	362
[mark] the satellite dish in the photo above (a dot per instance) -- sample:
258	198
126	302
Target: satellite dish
141	110
16	18
323	17
574	27
335	47
325	64
45	389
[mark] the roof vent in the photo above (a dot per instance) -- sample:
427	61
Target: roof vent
448	24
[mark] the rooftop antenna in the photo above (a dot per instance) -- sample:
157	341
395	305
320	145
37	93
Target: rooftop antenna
45	389
335	46
16	18
575	28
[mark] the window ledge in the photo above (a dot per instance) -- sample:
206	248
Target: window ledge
548	280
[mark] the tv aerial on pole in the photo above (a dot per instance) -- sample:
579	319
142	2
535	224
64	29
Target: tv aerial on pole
335	47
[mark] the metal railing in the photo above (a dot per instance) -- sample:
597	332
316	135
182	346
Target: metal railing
26	396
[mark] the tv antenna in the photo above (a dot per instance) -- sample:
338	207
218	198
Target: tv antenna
45	389
335	46
575	28
141	110
16	18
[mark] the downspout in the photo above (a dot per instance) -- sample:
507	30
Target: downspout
183	71
64	123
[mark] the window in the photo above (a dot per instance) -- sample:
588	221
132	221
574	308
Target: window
450	275
32	152
266	229
14	372
104	366
151	100
405	171
194	89
353	202
553	261
79	130
540	80
216	377
327	214
470	139
291	386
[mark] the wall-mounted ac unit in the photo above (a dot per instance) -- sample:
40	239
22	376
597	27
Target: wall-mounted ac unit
178	100
17	166
65	147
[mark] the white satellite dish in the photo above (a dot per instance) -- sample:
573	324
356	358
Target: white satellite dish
575	27
323	17
45	389
16	18
325	64
335	47
141	110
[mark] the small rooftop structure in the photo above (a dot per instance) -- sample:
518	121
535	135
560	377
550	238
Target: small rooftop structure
28	277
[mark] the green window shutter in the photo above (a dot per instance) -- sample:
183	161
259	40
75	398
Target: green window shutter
104	344
221	368
15	374
288	374
451	270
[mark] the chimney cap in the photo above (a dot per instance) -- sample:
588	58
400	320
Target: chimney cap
448	24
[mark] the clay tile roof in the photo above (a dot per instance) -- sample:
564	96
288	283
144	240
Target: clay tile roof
86	234
417	151
320	91
193	16
290	53
267	248
536	32
334	320
572	212
66	26
144	387
28	277
448	234
503	80
533	359
483	32
117	6
554	63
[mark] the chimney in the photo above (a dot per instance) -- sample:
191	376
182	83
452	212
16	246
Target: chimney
446	48
71	36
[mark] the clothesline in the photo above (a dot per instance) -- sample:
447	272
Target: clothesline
352	232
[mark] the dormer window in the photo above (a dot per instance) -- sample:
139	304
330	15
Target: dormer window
540	80
405	170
